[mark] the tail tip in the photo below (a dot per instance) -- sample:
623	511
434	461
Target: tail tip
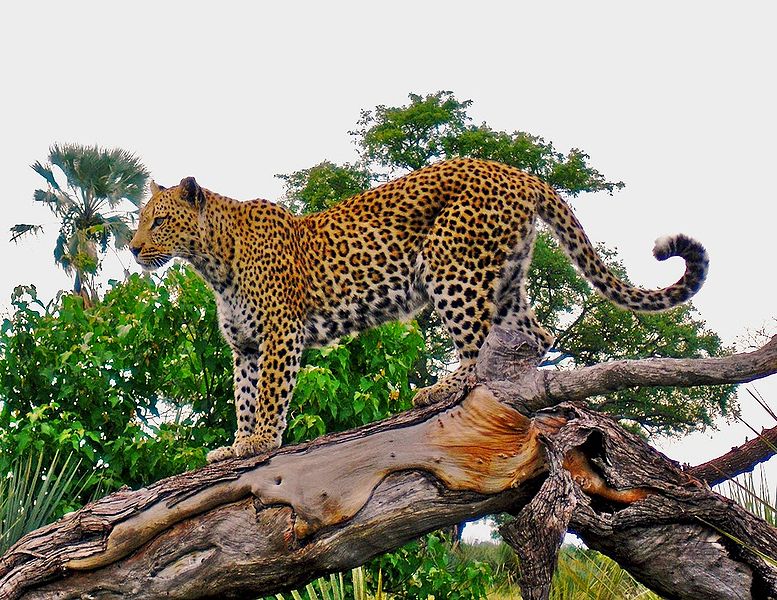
679	245
663	247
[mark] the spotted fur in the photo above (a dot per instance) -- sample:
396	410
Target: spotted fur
458	234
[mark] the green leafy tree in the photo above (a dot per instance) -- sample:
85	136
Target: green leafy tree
437	126
322	186
569	173
97	181
137	385
410	137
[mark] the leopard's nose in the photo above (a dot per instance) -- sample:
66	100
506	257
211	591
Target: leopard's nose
135	250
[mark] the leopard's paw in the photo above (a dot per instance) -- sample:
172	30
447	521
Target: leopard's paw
449	390
252	445
220	454
432	394
243	447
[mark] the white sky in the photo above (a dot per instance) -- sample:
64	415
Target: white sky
677	99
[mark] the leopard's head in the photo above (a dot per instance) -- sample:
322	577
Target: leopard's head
168	224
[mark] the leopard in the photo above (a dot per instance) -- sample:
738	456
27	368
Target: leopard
458	234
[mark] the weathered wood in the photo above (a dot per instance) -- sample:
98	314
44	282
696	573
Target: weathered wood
738	460
254	526
579	384
678	536
529	389
538	530
472	451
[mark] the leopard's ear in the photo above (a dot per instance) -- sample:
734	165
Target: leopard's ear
155	189
192	192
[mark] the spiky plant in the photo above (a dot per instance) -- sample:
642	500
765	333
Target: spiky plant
97	181
583	573
333	588
32	492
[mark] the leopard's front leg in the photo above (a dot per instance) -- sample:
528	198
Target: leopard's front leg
264	381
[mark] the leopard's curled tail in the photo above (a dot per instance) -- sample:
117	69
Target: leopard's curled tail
567	229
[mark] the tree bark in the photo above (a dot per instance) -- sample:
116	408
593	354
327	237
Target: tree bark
663	525
251	527
739	460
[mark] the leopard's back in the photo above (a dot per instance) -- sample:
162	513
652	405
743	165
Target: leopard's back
375	256
460	234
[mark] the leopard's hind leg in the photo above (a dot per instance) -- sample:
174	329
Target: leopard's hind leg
472	295
513	310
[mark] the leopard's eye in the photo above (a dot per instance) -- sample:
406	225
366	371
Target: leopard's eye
157	222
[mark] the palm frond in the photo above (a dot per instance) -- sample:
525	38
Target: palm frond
110	174
129	177
95	176
64	157
46	173
61	256
44	196
22	229
58	201
121	232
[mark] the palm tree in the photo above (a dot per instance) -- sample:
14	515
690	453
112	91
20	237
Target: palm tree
98	181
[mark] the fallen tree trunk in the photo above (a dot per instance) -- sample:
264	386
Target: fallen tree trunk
251	527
